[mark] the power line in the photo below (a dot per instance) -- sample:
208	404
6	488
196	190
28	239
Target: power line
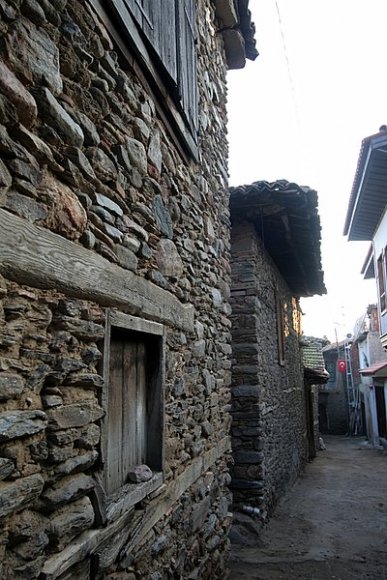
289	71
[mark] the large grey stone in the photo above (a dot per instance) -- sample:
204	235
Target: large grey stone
33	11
140	473
109	204
83	329
162	216
89	129
103	166
33	144
85	380
25	207
10	386
168	259
15	424
68	489
200	513
154	151
56	116
5	177
137	155
126	258
33	53
248	456
6	467
15	91
74	415
19	493
70	521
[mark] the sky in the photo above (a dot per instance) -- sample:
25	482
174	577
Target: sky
299	112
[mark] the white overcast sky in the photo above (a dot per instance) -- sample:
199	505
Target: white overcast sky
301	114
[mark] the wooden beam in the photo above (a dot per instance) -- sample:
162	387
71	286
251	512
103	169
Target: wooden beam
35	256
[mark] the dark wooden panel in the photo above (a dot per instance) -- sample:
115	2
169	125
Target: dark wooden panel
187	76
129	406
141	405
114	475
164	37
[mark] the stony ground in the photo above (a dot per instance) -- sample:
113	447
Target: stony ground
332	525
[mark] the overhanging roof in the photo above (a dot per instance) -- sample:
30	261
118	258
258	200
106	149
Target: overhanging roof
314	364
286	219
376	370
368	198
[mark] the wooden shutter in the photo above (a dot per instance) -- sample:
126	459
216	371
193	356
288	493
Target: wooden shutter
127	409
157	20
187	75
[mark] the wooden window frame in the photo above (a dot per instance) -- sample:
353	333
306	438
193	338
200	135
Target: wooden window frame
112	505
121	25
381	280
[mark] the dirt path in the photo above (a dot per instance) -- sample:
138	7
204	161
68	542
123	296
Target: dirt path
332	524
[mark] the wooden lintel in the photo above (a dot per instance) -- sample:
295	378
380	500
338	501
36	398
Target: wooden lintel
38	257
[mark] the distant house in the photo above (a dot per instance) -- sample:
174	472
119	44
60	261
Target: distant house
333	395
371	375
275	259
114	286
315	377
366	219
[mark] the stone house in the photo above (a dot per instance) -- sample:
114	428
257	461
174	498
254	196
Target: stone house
275	259
114	288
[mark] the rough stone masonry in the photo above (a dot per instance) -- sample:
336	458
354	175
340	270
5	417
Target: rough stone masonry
100	214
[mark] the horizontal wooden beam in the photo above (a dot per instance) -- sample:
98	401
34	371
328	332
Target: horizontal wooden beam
35	256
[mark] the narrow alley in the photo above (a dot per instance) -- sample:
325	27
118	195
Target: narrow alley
331	525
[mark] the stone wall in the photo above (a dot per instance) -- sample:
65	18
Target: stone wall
268	405
101	211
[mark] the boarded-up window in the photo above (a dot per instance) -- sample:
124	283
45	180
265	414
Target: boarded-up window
134	407
167	28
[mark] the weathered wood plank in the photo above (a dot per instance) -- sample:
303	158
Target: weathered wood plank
114	474
129	389
89	542
35	256
136	324
131	494
141	406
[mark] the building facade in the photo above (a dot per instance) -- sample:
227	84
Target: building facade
366	220
272	266
114	290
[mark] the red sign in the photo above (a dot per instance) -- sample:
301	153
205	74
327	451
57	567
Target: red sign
341	366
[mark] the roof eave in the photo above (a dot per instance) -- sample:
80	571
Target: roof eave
305	277
359	227
238	31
